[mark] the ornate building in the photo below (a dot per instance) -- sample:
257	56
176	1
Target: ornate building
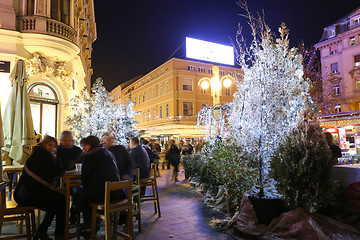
168	98
55	38
340	59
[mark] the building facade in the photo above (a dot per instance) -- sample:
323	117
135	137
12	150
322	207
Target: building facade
169	97
340	59
54	38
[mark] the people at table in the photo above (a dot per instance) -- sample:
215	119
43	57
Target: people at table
67	152
123	160
35	187
335	150
99	166
140	158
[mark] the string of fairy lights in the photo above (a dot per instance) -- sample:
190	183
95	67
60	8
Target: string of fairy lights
149	117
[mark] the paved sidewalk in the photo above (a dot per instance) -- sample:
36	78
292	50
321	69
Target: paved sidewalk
184	215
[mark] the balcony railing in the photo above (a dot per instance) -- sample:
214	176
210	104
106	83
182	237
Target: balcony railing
38	24
354	25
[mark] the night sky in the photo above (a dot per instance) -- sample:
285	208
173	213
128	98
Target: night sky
135	37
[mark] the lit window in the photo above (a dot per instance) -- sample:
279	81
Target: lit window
167	110
187	108
148	115
332	32
337	89
166	87
338	108
153	114
357	60
153	92
187	84
352	41
160	111
227	92
333	50
357	83
203	90
334	68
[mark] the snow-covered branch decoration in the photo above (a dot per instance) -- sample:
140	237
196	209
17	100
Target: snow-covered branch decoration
270	96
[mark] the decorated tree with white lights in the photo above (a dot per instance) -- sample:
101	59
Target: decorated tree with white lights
269	97
98	113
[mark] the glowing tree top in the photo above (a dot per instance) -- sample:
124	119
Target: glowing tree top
270	96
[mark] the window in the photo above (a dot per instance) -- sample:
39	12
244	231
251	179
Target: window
153	93
148	94
160	90
160	112
332	32
191	68
357	60
139	99
210	71
153	114
30	7
148	115
167	110
352	41
203	90
144	97
60	10
187	84
336	90
187	108
334	68
357	83
222	73
167	87
333	50
202	69
227	92
338	108
43	104
143	117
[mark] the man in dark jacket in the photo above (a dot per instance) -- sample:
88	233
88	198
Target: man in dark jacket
140	158
145	145
99	166
67	153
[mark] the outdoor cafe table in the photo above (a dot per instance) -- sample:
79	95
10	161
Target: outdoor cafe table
68	180
10	170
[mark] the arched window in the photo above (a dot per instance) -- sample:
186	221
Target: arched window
167	110
43	104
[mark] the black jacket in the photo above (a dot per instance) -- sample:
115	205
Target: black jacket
69	156
140	158
99	166
43	164
123	160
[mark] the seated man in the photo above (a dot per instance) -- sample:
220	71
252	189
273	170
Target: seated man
141	159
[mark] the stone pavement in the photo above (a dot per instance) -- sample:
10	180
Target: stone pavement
183	215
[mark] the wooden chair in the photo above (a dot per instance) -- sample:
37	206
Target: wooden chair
136	197
16	213
154	196
104	211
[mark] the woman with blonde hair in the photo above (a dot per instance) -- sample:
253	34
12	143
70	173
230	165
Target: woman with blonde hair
36	187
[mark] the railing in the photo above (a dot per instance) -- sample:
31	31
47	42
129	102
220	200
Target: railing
38	24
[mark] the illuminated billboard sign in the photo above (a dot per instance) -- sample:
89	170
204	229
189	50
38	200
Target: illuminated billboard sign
208	51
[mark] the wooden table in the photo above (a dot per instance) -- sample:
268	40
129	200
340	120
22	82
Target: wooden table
68	180
10	170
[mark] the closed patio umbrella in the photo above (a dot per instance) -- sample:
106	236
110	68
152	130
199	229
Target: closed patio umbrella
19	135
1	144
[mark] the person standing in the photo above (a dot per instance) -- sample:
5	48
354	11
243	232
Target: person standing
67	153
335	150
140	158
174	158
123	160
145	145
99	166
35	187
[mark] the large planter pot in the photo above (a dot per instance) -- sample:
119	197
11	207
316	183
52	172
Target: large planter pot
266	209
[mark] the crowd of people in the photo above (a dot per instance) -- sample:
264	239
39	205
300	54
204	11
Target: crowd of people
101	161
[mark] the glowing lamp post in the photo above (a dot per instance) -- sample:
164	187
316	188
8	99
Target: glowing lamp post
216	84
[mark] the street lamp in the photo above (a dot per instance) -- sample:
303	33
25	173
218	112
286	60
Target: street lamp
216	84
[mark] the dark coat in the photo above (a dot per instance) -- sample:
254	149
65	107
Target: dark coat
43	164
99	166
123	160
336	153
174	155
69	156
140	158
150	153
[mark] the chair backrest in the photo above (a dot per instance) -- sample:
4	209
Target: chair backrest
116	186
136	175
2	195
153	171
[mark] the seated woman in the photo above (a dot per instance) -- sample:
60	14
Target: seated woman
99	166
35	187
